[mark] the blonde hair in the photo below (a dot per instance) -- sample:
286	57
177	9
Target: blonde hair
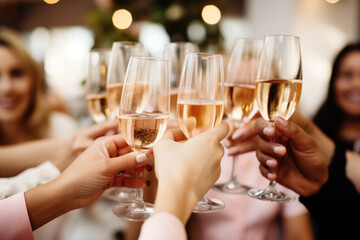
36	118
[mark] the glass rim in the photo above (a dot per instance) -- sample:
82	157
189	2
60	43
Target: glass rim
247	39
126	43
98	50
204	54
281	36
147	58
179	43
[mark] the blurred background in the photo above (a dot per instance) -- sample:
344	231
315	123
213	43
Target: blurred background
60	33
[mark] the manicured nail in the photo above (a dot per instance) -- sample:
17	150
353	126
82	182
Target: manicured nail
268	131
141	158
271	176
148	183
279	150
237	134
271	163
149	168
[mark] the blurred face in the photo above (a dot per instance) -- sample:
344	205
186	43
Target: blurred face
347	84
15	87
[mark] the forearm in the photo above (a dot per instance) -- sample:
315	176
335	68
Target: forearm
45	203
179	203
15	159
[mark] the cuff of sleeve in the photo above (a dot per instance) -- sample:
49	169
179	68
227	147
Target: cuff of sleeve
163	226
14	221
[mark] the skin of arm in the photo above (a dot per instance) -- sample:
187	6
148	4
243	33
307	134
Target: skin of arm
16	158
96	169
83	181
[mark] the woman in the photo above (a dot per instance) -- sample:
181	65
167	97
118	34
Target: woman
339	116
24	113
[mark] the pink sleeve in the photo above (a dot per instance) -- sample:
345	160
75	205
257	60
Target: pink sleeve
162	226
14	219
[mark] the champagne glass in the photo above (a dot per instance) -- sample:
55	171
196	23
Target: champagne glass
143	116
240	106
175	52
278	90
119	58
200	104
96	84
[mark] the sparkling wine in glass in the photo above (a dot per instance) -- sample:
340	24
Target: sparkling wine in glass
240	104
200	104
96	84
278	91
119	58
143	117
175	52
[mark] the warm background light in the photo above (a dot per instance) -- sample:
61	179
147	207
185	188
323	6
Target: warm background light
122	19
51	1
211	14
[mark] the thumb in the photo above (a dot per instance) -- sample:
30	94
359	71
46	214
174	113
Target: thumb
220	132
299	138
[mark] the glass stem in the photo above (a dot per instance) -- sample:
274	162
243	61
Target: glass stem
233	170
138	204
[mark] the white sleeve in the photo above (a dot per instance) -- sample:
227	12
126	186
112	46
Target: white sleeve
28	179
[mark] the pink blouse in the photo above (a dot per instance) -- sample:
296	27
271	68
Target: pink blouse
14	219
15	223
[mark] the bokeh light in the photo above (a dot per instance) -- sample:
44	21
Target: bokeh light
196	31
211	14
122	19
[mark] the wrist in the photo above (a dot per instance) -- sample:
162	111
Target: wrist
176	200
45	203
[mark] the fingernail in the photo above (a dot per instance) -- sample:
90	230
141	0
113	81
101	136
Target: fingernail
147	182
141	158
149	168
271	176
268	130
281	122
271	163
237	134
279	150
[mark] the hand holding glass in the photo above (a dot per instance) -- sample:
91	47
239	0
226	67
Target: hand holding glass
200	104
278	91
144	112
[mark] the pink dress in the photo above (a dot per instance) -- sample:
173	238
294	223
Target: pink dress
245	218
